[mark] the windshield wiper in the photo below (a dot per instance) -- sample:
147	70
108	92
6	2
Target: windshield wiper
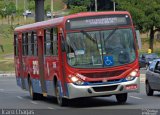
110	34
89	36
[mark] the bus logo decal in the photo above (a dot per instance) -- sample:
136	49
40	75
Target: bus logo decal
35	67
108	60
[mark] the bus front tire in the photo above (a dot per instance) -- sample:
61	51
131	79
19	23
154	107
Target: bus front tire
34	96
60	100
122	98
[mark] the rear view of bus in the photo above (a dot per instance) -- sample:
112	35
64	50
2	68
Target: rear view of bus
101	55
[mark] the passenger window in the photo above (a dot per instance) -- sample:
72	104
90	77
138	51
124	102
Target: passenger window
55	41
29	44
25	44
50	42
47	42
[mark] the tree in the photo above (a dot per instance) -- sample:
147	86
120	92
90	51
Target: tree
145	13
79	5
77	9
31	5
10	10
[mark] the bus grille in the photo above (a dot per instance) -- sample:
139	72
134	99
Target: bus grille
105	88
104	74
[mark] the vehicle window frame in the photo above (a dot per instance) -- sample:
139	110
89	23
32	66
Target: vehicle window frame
153	64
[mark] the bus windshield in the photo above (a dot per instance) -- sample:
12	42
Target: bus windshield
100	49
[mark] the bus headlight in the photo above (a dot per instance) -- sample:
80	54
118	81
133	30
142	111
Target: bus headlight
132	75
75	80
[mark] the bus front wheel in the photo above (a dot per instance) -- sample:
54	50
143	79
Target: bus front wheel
121	98
60	100
33	95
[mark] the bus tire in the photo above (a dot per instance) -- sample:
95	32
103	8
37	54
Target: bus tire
33	95
60	100
122	98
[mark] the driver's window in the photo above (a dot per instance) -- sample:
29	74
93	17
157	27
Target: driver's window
157	67
152	66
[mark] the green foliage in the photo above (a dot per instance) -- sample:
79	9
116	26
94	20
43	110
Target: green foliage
77	9
79	5
31	5
145	13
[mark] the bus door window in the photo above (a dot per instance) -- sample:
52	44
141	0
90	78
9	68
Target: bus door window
23	42
47	42
55	41
29	44
35	44
32	44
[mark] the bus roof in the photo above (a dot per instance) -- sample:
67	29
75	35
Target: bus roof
61	20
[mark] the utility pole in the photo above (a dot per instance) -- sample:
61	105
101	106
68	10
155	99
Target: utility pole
16	4
95	5
114	6
51	8
24	5
39	10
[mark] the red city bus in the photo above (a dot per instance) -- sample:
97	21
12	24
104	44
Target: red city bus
80	55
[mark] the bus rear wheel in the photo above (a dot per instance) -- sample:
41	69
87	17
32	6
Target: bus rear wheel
60	100
122	98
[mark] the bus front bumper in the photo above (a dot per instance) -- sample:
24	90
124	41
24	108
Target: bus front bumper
76	91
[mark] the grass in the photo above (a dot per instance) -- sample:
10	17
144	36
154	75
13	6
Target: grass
6	34
145	46
6	39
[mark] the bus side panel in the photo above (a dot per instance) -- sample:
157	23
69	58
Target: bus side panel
51	71
17	71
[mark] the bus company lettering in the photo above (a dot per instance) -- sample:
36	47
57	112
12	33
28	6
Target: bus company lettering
81	76
35	67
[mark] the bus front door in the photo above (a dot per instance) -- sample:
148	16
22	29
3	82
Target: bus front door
21	61
41	61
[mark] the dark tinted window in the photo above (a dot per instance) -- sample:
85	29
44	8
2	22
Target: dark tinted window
50	42
157	67
152	65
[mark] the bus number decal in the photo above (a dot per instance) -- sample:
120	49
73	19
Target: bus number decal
35	67
54	65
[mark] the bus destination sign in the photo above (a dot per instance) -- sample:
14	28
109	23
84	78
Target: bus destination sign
89	22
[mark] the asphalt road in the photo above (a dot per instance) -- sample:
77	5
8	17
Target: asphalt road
12	97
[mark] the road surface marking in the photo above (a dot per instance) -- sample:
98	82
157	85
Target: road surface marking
19	97
135	97
34	102
51	108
